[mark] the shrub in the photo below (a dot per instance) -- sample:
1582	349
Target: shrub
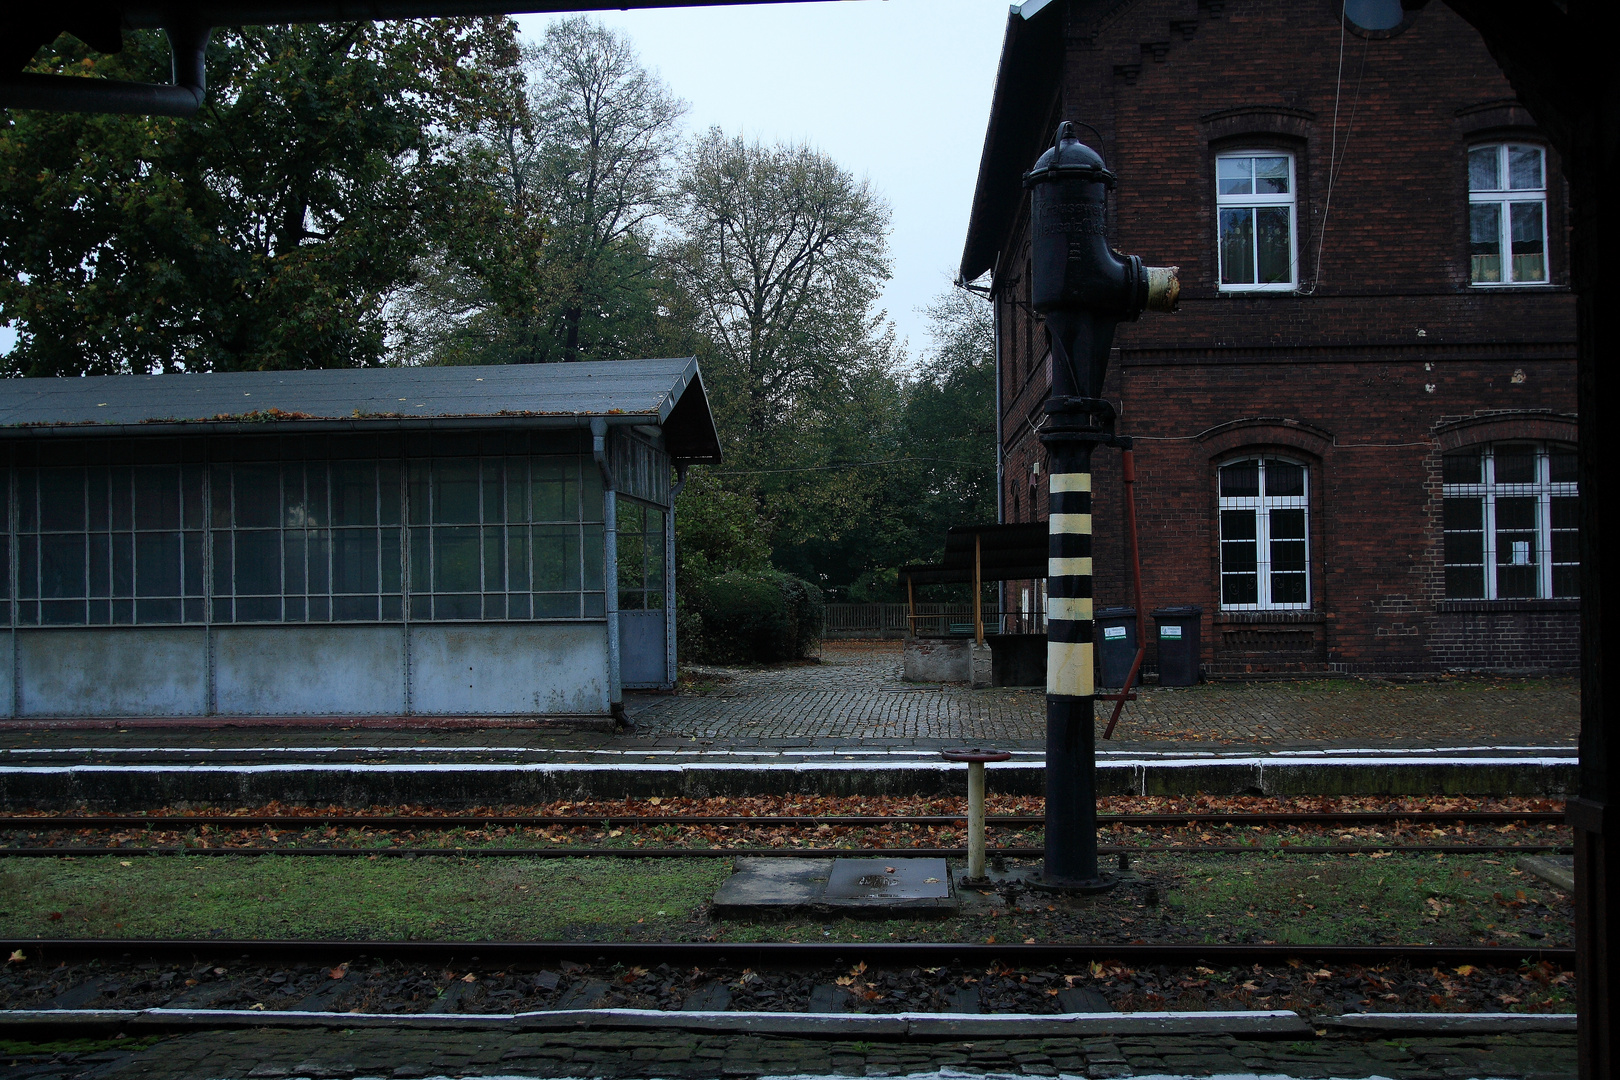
754	616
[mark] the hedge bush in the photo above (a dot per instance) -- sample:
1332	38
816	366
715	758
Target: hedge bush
754	616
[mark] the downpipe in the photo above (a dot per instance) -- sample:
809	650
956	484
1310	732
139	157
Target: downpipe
610	569
671	658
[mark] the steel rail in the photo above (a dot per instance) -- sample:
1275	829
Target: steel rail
788	852
16	823
777	955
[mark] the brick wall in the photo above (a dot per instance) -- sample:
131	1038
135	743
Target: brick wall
1383	360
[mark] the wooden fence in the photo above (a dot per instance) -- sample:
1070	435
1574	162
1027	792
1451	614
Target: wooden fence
889	620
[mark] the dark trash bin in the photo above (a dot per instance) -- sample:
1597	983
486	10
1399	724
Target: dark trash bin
1178	644
1116	645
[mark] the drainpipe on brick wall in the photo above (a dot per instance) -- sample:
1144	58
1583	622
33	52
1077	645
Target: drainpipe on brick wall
610	567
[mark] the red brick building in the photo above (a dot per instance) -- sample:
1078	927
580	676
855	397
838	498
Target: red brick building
1354	443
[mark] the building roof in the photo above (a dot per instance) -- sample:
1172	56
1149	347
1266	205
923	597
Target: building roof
1012	552
1026	83
666	393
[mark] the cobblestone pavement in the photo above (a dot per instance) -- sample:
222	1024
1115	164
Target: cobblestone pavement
856	694
363	1053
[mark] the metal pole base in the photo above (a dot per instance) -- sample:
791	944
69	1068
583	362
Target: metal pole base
1074	886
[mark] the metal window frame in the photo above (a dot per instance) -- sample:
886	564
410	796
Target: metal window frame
1252	202
1262	505
1504	198
18	538
1542	488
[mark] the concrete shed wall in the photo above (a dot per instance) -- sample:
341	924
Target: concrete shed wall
519	669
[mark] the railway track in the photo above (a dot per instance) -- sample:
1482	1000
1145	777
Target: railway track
788	852
774	955
15	823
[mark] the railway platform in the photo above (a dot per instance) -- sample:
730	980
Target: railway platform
845	725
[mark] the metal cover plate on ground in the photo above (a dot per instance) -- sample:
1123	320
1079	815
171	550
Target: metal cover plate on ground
768	888
888	879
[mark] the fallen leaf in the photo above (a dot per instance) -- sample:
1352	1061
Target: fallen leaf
340	971
123	862
17	957
1466	969
469	978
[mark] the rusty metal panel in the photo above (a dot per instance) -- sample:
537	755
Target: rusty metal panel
511	669
112	671
641	648
309	670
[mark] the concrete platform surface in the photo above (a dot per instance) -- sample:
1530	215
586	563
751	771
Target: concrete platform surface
848	725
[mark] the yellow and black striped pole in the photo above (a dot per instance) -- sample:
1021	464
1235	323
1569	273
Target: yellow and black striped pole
1071	798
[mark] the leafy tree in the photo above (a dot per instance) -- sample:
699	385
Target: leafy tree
579	164
269	230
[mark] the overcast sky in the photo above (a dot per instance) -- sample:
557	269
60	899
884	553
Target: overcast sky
897	91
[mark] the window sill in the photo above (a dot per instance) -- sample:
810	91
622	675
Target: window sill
1250	618
1565	604
1258	290
1517	286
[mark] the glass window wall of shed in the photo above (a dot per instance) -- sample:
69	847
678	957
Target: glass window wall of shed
302	530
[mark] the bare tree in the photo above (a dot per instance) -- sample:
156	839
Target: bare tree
784	254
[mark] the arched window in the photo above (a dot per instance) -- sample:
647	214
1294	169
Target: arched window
1265	547
1507	214
1254	197
1511	522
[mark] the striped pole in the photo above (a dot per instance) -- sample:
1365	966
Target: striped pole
1071	801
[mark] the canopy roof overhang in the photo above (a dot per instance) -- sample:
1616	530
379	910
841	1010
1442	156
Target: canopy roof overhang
1005	553
664	394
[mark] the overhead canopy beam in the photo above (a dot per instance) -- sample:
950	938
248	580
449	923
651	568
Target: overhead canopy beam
100	24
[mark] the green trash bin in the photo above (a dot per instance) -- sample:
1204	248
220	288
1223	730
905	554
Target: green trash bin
1116	645
1179	654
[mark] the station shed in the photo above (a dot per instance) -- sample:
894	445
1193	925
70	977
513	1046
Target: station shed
348	544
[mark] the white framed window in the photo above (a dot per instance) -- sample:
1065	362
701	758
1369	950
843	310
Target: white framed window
1510	520
1255	204
1507	214
1265	545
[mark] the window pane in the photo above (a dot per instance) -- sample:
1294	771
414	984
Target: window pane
354	608
1515	463
157	497
1239	589
1562	465
1524	168
1465	582
556	558
1288	556
157	566
455	492
458	607
293	562
1566	582
388	492
1288	525
1241	479
1462	468
1516	555
1528	261
1482	169
258	563
354	561
1233	176
556	489
557	605
62	567
1288	588
258	496
354	493
191	493
592	558
1465	548
1237	525
494	560
455	558
1463	513
494	489
61	500
1275	250
1565	512
1485	242
1271	175
1284	478
1237	247
517	560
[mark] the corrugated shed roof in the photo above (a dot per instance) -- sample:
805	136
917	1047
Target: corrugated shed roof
668	393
